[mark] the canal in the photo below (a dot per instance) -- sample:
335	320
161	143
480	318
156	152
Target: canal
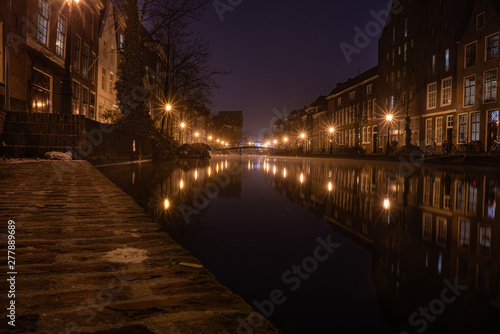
336	246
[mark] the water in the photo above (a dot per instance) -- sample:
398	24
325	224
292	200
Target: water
398	236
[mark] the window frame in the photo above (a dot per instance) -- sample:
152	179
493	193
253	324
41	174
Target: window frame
444	90
466	55
473	92
485	87
46	20
487	49
429	95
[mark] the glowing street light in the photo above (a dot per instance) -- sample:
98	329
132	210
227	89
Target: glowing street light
330	186
196	134
389	118
285	139
387	204
166	204
168	107
331	130
209	137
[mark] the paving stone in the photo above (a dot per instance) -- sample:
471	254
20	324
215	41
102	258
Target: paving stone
90	260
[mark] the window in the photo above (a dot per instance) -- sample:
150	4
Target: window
405	52
431	95
369	89
428	131
364	135
43	21
352	96
492	47
369	134
122	40
433	65
76	98
92	106
470	55
471	208
490	86
110	82
447	60
441	227
60	36
427	227
464	234
474	121
339	101
436	192
427	190
460	196
93	65
480	20
85	59
462	128
369	109
470	91
406	27
449	121
41	92
85	101
446	90
439	130
76	59
415	130
484	240
104	78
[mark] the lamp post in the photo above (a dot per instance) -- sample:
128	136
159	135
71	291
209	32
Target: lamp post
168	109
303	136
389	120
331	130
183	125
66	93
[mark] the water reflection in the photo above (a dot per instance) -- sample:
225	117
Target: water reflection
420	229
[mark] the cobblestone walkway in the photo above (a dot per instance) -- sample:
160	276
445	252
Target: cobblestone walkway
89	260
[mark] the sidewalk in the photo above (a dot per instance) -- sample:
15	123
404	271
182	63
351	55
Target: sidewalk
89	260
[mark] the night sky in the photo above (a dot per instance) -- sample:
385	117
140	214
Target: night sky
284	54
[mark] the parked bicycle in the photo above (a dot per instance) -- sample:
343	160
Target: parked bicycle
449	148
470	147
430	149
495	148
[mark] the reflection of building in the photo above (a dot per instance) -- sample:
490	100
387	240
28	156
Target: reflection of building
229	126
438	224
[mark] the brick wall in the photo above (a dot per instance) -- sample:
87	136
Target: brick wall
33	134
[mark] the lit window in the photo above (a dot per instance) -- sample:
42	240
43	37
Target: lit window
470	90
474	120
447	60
439	130
104	78
41	91
85	59
462	128
490	86
60	36
431	95
446	91
428	131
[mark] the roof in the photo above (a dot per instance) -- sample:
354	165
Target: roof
372	72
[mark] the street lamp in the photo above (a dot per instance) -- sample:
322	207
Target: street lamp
331	130
66	93
388	117
183	125
303	136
